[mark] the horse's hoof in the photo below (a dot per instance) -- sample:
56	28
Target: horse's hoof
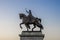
40	31
32	30
21	27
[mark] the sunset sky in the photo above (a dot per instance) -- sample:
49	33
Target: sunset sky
47	10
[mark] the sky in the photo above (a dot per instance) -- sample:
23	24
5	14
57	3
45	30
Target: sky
47	10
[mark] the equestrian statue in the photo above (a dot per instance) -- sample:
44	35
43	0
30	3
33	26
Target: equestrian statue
30	19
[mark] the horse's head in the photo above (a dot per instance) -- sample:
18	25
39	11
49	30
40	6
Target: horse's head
21	15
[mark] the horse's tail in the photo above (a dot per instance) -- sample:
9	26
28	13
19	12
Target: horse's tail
39	19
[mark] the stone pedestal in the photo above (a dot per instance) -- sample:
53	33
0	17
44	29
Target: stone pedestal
31	35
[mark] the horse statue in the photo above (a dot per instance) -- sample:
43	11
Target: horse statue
35	21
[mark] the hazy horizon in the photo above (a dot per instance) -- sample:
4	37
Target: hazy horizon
47	10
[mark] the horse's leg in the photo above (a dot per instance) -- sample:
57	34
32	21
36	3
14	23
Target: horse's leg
21	24
27	29
40	29
27	26
34	27
38	25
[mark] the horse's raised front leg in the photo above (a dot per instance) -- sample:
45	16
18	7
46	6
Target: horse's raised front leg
20	25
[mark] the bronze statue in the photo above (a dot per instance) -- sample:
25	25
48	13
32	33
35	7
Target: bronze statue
30	19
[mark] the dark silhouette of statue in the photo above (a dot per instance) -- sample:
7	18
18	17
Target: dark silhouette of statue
30	19
30	16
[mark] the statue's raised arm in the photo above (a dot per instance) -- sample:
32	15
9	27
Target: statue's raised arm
30	13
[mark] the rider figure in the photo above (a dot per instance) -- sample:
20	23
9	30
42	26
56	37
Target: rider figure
30	16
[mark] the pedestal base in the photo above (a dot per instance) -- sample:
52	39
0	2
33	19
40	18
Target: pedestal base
31	35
